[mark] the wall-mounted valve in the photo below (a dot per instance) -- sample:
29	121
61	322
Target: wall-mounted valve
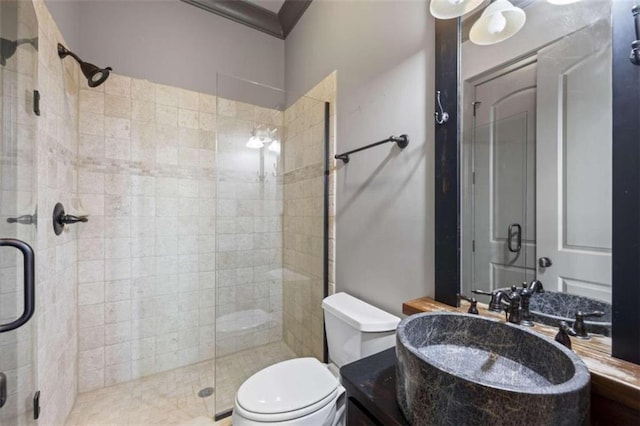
60	219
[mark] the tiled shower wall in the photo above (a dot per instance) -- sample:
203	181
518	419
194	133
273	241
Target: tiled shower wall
57	141
249	229
146	265
304	218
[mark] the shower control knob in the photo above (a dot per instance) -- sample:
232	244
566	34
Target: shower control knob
544	262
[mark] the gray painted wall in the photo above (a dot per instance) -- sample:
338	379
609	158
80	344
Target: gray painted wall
168	42
384	54
383	51
66	14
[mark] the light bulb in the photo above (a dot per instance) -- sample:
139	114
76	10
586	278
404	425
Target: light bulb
255	143
497	23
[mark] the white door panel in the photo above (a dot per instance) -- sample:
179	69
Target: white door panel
574	179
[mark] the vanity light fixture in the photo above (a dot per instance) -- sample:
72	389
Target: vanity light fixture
499	21
261	136
275	146
447	9
562	2
255	143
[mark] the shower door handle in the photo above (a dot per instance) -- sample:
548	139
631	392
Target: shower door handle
510	234
29	283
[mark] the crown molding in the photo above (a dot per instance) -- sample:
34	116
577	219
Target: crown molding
244	12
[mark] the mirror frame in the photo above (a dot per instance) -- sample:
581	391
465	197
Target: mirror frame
625	178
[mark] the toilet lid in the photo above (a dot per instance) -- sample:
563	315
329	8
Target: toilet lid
286	386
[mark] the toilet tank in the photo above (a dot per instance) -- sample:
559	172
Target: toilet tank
356	329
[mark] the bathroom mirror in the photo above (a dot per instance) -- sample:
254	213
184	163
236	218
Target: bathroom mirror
535	153
566	69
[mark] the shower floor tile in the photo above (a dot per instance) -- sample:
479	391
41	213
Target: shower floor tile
171	398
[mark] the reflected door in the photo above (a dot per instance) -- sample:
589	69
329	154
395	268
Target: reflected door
503	188
18	59
574	180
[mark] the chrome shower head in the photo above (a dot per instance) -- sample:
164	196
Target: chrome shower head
94	74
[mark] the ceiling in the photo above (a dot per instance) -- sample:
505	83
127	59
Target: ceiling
274	17
272	5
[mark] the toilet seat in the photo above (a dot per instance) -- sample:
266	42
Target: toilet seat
286	391
285	416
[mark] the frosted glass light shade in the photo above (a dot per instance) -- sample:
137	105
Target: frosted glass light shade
499	21
275	147
255	143
447	9
562	2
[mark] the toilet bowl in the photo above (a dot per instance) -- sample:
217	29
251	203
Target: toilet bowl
294	392
303	391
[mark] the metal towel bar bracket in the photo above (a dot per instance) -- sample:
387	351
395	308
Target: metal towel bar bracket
402	141
635	45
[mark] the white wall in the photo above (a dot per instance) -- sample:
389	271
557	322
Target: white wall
383	52
168	42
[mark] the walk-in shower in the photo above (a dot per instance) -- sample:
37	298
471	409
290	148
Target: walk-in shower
205	255
271	234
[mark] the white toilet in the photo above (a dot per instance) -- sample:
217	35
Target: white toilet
303	391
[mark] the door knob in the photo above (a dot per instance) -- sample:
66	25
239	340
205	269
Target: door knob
544	262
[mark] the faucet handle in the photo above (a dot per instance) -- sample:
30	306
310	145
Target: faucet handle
495	304
564	331
579	326
473	307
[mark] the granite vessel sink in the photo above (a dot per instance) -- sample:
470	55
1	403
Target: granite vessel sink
460	369
551	307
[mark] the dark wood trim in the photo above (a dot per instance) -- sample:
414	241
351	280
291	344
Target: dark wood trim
290	13
246	13
447	198
625	180
626	187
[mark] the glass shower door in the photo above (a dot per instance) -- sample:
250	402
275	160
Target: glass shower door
500	204
249	206
270	224
18	60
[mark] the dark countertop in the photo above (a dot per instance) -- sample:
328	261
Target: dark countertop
372	382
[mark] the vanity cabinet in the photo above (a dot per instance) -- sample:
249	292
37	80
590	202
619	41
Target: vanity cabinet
371	390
